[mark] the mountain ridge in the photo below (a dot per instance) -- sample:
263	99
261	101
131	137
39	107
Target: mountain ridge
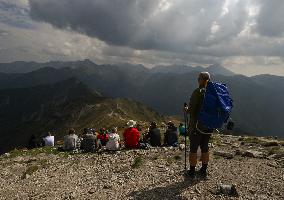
60	106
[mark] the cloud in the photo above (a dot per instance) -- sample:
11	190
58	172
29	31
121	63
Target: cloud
270	20
245	36
173	25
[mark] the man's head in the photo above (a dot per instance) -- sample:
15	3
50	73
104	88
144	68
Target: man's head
153	125
86	131
71	131
203	79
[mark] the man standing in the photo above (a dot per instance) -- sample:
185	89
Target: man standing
198	138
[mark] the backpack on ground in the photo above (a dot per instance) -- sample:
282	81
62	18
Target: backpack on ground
216	108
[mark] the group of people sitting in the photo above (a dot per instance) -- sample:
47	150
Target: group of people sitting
91	140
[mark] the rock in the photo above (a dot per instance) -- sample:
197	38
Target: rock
211	145
91	191
229	190
197	190
239	152
269	143
7	154
253	154
225	154
181	147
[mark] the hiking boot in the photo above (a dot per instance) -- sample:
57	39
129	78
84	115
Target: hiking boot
191	173
203	172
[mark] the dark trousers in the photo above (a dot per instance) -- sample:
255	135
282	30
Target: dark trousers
199	139
202	140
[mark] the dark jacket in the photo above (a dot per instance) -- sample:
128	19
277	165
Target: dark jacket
195	105
154	136
89	143
171	136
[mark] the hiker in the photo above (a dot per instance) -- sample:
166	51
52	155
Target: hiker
171	135
70	141
181	129
113	143
49	140
196	137
89	141
154	135
103	137
32	142
131	135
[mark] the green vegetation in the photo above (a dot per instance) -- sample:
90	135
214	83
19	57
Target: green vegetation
275	150
138	161
216	140
36	151
216	157
177	157
30	170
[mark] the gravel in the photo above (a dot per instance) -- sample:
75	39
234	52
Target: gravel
159	176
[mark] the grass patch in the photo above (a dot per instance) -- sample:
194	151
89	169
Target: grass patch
30	170
36	151
177	158
156	157
215	140
138	161
274	150
250	140
239	158
16	152
216	157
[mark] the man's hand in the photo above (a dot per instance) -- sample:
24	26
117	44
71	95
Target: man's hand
186	109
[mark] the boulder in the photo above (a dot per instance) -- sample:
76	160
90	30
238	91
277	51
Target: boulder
253	154
229	190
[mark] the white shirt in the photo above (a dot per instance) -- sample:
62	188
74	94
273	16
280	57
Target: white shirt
49	141
113	142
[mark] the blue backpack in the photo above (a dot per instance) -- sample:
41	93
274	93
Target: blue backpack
217	106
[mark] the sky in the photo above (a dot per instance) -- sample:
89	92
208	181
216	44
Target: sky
245	36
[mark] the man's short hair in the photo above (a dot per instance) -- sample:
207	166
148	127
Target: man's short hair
72	131
205	75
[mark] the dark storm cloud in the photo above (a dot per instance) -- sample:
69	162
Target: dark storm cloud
113	21
177	26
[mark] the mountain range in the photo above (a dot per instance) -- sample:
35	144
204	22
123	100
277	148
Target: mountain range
60	106
258	100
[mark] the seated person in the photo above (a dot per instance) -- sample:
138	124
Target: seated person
32	142
70	141
171	135
154	135
103	137
113	143
49	140
131	135
181	129
89	141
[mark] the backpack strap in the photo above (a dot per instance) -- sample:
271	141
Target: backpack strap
206	133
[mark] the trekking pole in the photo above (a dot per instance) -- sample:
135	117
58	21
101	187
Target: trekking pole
185	126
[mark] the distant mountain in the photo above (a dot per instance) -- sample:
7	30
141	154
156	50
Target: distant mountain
25	67
257	100
218	69
176	69
183	69
59	106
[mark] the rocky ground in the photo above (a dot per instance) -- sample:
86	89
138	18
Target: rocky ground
255	166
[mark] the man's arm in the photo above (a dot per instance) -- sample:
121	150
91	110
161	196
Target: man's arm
193	106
